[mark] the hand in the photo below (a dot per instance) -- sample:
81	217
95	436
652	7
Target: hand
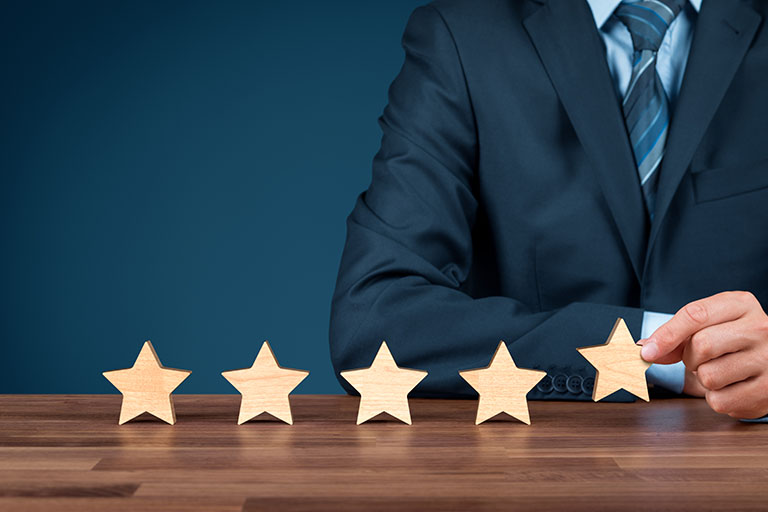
692	386
723	340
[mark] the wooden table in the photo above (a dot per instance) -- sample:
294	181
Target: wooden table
66	453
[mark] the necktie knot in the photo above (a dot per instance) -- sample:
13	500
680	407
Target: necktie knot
648	20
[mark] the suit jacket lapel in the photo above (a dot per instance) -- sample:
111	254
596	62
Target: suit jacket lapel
565	36
723	32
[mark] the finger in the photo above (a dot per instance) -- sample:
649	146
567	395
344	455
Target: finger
693	317
673	357
746	399
692	386
713	342
728	369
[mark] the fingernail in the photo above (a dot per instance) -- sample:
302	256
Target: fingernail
649	351
642	342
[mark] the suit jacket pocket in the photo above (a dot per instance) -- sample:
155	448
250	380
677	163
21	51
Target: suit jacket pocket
722	182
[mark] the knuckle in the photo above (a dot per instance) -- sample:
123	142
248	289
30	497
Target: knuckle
706	377
749	412
744	297
696	312
762	328
748	296
716	402
763	390
702	345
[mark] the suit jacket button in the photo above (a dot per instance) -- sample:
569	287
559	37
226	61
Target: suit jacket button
545	384
559	382
573	384
587	385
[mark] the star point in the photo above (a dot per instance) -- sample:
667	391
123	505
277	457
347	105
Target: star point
265	387
618	364
384	387
502	387
147	386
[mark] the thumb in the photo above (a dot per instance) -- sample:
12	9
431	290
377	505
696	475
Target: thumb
655	351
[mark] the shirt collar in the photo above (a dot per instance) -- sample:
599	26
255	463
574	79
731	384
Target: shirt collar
602	9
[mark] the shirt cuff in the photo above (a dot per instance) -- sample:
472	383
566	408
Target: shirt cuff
764	419
667	376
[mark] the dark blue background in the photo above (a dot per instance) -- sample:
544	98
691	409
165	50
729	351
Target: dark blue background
181	171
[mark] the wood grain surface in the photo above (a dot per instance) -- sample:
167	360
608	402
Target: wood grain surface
67	453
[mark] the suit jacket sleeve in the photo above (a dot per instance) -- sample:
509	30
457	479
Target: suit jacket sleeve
409	245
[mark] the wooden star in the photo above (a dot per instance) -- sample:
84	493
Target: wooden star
265	387
384	387
618	364
502	387
147	386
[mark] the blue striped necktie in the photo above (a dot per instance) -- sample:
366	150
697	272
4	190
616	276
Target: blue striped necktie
645	104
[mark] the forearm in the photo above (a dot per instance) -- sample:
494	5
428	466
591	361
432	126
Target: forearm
388	293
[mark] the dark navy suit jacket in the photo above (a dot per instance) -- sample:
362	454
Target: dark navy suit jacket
505	203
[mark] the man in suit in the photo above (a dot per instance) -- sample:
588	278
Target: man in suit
548	166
